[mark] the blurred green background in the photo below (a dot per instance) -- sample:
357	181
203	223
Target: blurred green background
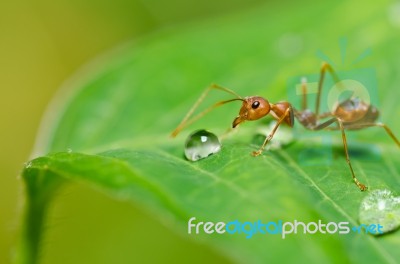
42	43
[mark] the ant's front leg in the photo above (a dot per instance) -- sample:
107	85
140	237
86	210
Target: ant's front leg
271	135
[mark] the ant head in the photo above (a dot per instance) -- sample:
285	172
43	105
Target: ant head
253	108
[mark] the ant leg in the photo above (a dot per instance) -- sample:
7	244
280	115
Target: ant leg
271	135
387	129
187	120
325	67
325	115
339	122
359	184
304	93
325	124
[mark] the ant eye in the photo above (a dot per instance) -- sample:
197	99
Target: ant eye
255	104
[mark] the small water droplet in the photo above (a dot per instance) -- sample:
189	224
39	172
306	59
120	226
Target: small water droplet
381	207
69	150
201	144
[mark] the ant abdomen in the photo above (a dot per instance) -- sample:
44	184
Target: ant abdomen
355	110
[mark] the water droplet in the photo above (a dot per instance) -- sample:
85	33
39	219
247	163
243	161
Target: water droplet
381	207
69	150
201	144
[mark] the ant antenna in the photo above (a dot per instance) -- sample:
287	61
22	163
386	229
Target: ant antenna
187	120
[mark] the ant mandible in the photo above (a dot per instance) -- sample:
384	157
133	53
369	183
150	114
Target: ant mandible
350	114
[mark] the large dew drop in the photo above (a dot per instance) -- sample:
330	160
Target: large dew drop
381	207
201	144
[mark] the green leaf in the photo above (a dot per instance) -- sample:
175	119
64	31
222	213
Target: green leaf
112	131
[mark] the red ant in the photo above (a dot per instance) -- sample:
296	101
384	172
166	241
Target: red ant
351	114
